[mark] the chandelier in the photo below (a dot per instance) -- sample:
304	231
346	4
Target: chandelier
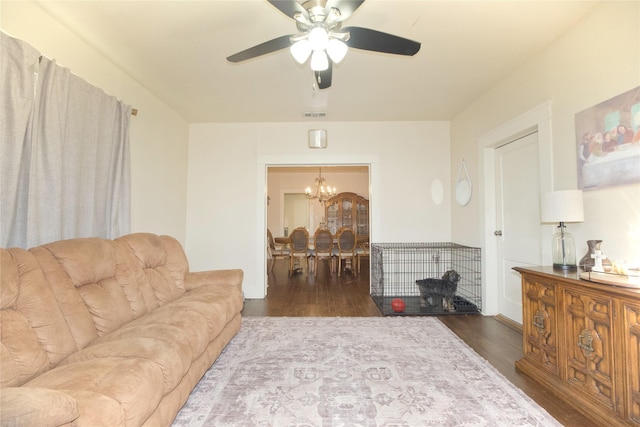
322	191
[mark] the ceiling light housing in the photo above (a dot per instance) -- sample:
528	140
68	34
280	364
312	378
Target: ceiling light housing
318	38
321	38
319	60
301	50
337	49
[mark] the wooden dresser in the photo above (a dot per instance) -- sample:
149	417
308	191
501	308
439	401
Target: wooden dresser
581	340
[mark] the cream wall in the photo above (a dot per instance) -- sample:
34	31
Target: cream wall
596	60
158	136
226	201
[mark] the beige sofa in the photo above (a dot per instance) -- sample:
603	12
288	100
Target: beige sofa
102	332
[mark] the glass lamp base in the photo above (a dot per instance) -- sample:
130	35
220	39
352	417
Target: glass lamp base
565	267
563	250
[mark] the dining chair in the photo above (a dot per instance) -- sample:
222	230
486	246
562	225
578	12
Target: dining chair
347	249
323	248
275	252
362	251
299	247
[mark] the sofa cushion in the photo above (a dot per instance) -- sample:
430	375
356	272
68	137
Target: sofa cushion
142	298
136	384
9	280
31	406
90	268
21	354
190	325
168	358
163	262
34	333
97	410
231	278
221	303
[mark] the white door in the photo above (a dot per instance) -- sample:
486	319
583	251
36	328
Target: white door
296	211
518	219
301	212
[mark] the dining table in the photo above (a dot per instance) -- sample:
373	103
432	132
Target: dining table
285	241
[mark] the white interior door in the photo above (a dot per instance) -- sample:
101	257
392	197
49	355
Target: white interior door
518	219
296	211
301	212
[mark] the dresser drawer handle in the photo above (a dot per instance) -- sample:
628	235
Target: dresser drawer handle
538	320
585	342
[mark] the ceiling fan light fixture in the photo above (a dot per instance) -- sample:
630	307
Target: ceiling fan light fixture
333	17
319	61
301	19
301	50
337	50
318	38
322	39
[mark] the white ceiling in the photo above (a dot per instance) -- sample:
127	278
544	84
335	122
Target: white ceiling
178	50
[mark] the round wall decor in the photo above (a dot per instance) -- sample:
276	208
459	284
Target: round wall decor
437	191
464	188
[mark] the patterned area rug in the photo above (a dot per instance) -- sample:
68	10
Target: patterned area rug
377	371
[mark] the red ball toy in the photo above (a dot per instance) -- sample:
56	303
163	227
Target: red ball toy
398	305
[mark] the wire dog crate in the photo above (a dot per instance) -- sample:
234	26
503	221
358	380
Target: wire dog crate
397	269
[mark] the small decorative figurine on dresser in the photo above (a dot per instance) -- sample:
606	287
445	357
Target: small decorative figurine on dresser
594	259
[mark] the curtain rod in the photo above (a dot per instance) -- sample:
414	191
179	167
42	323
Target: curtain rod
134	111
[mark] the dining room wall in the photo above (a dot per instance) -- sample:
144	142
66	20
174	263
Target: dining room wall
227	186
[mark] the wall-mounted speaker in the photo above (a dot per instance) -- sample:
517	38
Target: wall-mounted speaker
318	138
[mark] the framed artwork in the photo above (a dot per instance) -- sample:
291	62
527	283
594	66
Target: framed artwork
608	142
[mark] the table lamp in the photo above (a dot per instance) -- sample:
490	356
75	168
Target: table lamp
562	206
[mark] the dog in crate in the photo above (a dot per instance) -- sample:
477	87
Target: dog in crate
439	293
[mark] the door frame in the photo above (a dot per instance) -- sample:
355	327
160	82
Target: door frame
312	159
536	119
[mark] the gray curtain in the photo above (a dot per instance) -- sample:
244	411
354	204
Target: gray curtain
65	153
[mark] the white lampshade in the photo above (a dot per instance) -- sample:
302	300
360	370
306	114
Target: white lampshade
337	49
319	61
301	50
318	39
561	206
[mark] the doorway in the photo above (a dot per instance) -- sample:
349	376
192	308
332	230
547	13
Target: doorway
288	205
537	119
518	219
357	175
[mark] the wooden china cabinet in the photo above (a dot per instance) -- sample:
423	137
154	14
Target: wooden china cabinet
347	210
582	341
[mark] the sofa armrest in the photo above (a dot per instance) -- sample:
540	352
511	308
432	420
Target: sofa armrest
32	406
214	277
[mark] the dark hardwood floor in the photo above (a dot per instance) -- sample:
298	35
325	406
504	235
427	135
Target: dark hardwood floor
328	295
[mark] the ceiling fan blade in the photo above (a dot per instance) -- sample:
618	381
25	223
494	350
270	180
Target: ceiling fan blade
367	39
274	45
323	78
346	7
288	7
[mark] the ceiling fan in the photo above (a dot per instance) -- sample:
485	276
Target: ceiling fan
323	39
